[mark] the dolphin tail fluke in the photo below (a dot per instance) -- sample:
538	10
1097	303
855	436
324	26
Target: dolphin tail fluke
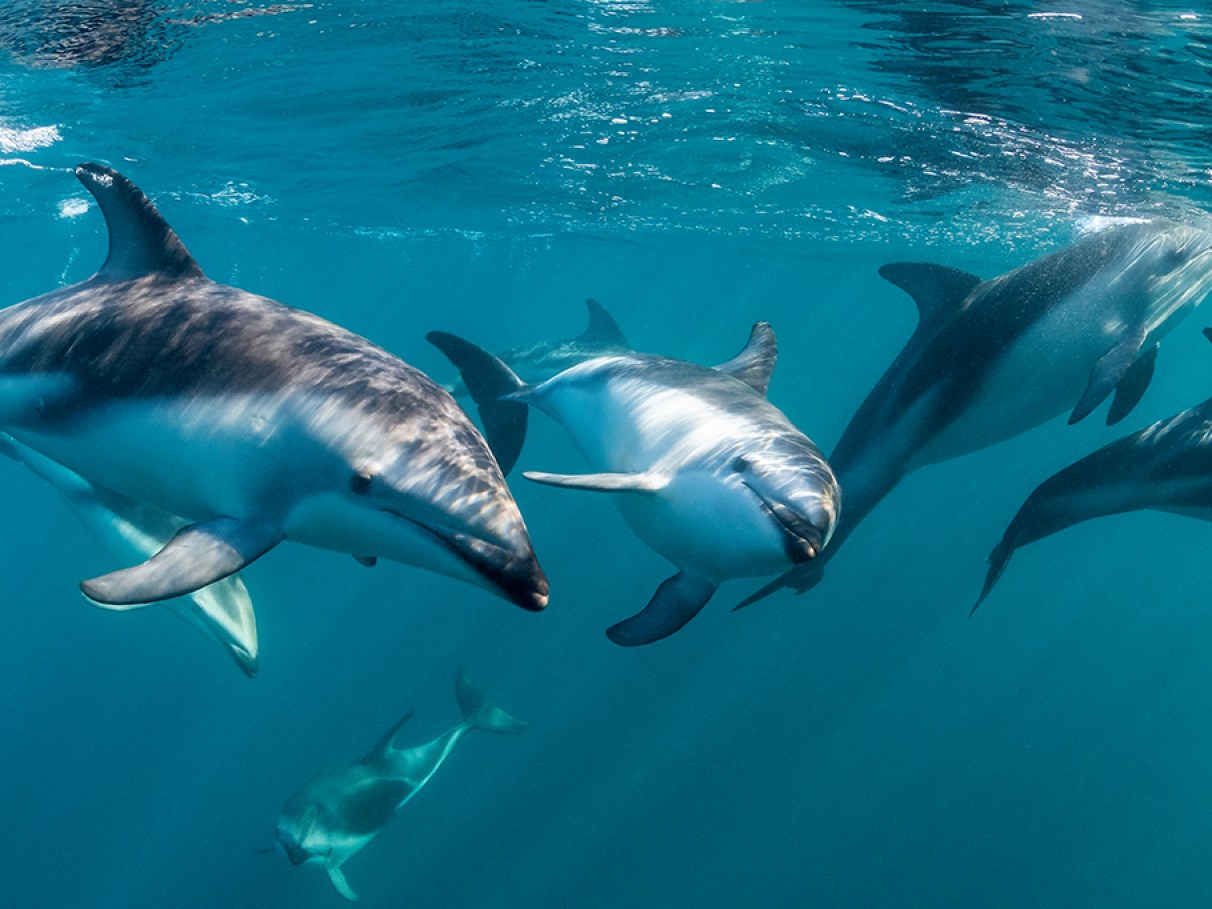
481	713
801	579
489	381
337	876
998	559
678	600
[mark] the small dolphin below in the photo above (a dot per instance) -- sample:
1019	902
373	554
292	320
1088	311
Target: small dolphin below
333	815
245	423
992	359
222	611
708	472
536	362
1163	467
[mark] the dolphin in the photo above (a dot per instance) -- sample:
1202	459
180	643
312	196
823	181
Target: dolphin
333	815
1165	467
992	359
708	472
222	611
248	422
535	362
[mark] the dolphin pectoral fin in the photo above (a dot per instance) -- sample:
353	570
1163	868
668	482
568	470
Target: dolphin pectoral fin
603	329
222	611
489	381
1131	387
197	555
366	561
998	559
678	600
755	363
1107	373
649	481
337	876
801	579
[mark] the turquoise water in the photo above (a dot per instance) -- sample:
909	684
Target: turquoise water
482	168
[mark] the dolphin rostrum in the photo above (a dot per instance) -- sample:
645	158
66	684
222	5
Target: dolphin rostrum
709	473
333	815
543	359
221	611
1164	467
248	422
992	359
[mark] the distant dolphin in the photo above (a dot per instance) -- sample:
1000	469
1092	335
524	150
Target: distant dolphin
713	476
1164	467
221	611
332	816
536	362
992	359
249	421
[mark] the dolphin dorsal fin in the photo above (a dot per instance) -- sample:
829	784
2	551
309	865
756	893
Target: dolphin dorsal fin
140	240
603	329
937	290
755	363
383	746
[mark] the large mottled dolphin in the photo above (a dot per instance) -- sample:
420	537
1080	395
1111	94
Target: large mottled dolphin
709	473
247	421
543	359
1164	467
333	815
992	359
221	611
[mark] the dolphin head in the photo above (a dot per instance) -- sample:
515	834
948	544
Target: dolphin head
424	490
298	838
798	491
1172	263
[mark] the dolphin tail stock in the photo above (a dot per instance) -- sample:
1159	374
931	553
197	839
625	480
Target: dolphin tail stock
481	713
491	384
678	600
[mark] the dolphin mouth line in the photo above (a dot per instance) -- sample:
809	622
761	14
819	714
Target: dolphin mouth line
803	541
501	573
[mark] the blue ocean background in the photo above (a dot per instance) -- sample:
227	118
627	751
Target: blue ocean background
695	165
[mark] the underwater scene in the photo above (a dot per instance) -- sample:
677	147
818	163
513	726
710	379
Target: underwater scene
605	453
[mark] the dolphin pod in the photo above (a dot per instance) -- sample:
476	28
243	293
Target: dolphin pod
704	469
332	816
193	426
166	400
1165	467
991	359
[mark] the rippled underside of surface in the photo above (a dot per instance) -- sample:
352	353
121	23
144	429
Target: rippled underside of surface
836	120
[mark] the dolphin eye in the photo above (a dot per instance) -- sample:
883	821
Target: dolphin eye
740	464
360	484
